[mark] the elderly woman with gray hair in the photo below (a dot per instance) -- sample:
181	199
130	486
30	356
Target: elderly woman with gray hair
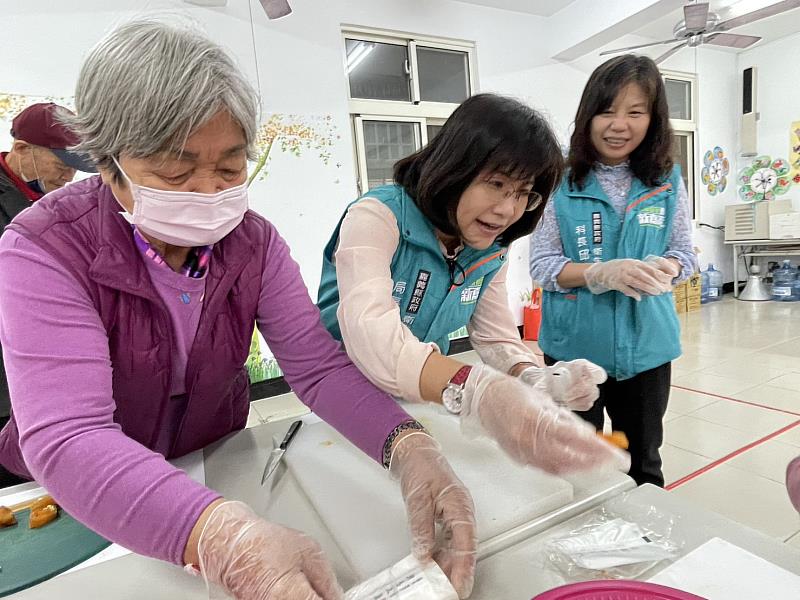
127	302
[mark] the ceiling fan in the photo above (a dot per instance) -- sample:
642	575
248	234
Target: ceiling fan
275	9
700	26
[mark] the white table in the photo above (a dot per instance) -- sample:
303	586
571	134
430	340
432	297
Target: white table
759	248
506	568
517	573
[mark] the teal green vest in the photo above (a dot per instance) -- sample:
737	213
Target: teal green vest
430	306
622	335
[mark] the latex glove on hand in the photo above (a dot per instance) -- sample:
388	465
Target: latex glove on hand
432	492
572	384
666	266
253	559
531	428
630	276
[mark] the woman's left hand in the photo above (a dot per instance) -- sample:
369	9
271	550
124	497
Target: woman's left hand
572	384
668	266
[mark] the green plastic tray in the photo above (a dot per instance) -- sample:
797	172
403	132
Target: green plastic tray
30	556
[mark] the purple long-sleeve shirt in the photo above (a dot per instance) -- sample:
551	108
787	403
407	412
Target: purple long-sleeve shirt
60	373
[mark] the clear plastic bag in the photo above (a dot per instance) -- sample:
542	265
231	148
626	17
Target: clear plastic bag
407	580
617	541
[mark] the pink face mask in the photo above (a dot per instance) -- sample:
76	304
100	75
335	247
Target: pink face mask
186	219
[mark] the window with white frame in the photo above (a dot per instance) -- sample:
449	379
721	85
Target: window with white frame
401	90
681	91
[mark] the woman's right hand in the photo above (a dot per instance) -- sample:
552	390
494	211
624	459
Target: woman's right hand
434	494
629	276
531	428
253	559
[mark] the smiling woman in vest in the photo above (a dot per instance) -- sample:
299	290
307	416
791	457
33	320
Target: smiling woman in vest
414	261
127	305
612	243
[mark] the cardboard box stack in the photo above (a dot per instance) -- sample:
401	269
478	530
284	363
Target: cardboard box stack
693	293
679	295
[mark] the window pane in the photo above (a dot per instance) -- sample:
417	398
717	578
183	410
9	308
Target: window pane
432	131
682	155
443	75
679	98
377	71
385	143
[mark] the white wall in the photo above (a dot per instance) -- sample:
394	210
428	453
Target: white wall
777	104
718	125
720	93
300	67
778	96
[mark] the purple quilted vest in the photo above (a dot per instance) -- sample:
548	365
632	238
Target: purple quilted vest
80	226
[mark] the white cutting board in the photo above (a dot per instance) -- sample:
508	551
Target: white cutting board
364	511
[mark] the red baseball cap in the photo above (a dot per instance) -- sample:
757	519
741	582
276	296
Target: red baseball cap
39	125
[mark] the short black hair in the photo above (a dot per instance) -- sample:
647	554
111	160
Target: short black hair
651	162
486	132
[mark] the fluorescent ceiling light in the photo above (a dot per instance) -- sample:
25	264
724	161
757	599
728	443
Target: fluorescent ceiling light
358	54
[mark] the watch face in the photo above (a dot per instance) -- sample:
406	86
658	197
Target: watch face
451	398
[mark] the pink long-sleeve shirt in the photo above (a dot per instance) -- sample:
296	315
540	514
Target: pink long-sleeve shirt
376	338
60	372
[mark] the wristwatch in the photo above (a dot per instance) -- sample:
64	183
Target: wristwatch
453	393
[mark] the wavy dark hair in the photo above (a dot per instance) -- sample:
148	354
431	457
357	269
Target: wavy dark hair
487	132
652	160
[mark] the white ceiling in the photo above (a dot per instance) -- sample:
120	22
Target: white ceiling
769	29
543	8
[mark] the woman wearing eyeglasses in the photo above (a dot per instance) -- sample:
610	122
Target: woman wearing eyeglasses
412	262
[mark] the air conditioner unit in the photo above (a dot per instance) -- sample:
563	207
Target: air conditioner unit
751	221
748	123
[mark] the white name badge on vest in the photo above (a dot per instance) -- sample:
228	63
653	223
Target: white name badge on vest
652	216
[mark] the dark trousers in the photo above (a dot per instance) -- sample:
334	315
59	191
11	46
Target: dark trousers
7	478
636	406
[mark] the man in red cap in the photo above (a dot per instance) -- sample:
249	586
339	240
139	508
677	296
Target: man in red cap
39	162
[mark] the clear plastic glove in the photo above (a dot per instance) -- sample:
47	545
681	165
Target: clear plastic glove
572	384
630	276
253	559
531	428
664	265
432	492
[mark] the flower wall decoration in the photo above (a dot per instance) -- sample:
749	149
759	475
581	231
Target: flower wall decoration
13	104
294	134
764	179
715	171
794	151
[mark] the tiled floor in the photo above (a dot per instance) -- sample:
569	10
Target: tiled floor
733	421
736	386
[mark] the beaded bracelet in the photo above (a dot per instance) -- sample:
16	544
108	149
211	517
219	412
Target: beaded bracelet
387	445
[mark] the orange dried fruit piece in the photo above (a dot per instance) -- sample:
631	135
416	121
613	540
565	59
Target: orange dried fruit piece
617	438
42	516
42	502
7	518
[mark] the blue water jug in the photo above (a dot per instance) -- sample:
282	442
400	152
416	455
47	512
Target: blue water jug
714	283
703	287
784	279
